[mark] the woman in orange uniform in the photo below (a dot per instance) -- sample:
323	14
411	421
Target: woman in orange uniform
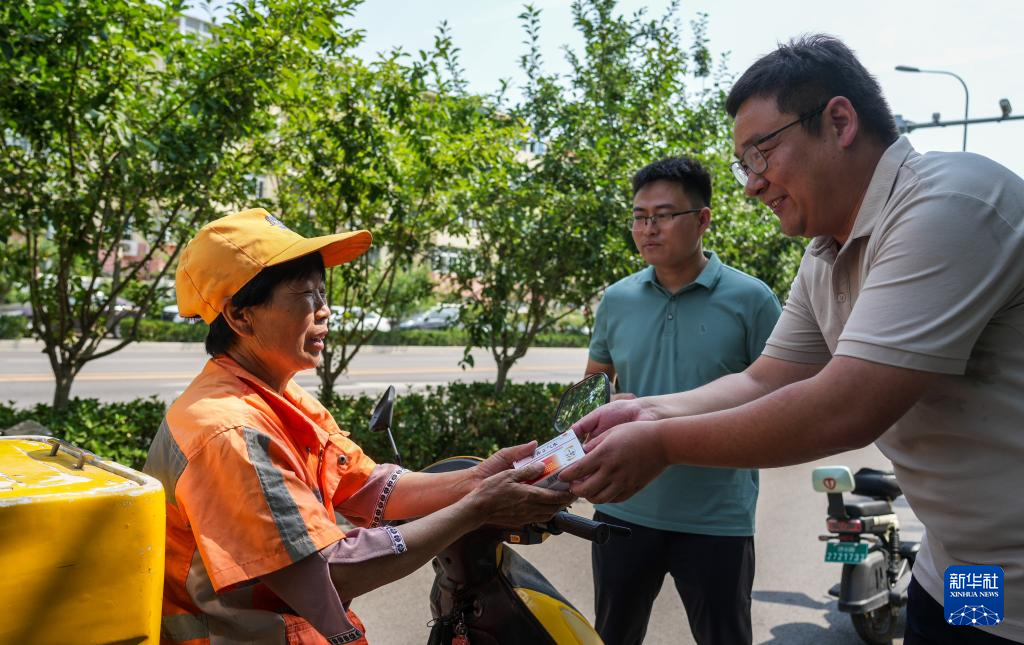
254	468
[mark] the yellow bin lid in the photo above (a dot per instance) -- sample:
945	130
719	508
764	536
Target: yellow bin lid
33	467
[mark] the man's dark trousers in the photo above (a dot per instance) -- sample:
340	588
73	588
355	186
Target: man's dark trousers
713	575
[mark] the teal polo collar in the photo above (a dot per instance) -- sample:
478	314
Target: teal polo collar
708	277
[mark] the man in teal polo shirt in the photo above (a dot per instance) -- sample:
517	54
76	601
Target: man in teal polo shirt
684	321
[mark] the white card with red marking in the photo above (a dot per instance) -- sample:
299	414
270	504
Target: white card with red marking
556	455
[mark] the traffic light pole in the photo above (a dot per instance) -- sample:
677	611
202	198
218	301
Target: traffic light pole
909	126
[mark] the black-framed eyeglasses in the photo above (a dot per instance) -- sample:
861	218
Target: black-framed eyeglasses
640	222
753	160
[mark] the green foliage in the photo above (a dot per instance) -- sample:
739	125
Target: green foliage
458	419
118	431
113	122
551	226
561	339
13	327
385	147
428	337
412	290
167	331
459	338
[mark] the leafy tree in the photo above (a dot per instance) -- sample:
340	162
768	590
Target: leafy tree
552	226
385	147
411	291
113	122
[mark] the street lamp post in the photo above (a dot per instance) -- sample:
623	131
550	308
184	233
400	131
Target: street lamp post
967	95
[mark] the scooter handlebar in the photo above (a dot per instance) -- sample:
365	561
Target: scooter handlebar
597	532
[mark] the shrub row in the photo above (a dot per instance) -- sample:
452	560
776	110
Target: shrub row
457	419
13	327
118	431
165	331
162	330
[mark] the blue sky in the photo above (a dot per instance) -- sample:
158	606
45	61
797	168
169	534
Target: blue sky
980	41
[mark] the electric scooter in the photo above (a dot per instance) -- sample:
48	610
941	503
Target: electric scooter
864	536
484	592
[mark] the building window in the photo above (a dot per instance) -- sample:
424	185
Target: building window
443	260
190	26
534	147
257	185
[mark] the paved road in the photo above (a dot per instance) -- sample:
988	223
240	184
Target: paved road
791	604
165	369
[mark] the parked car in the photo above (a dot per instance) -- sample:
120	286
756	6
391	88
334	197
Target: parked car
22	310
440	317
343	319
170	313
122	310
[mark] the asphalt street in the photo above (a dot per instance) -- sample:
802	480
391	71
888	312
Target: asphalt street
791	605
165	369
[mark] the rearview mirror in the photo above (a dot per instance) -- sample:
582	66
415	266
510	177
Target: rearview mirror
580	399
380	420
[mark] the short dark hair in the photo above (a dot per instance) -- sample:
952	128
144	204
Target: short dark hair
688	173
257	291
805	74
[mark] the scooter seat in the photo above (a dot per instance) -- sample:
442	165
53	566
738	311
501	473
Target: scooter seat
868	508
876	483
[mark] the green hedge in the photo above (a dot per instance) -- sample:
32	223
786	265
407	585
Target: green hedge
163	330
13	327
433	337
118	431
457	419
167	331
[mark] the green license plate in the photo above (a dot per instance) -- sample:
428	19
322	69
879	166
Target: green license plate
846	552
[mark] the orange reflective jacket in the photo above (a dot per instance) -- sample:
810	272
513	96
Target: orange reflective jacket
251	478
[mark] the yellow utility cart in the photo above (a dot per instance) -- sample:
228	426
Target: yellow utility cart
81	547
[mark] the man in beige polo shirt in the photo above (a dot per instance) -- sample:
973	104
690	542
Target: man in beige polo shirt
904	326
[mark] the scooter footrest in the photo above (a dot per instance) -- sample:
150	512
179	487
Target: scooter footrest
909	549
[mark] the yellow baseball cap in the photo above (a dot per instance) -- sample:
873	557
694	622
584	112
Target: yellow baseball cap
228	252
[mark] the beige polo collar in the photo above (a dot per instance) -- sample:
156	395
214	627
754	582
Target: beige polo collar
877	194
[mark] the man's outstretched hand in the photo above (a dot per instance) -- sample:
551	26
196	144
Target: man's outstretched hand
609	415
618	462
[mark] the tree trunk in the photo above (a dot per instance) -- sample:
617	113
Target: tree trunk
64	375
328	377
503	368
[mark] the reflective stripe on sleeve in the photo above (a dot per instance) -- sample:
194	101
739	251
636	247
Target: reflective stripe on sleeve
290	524
165	462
